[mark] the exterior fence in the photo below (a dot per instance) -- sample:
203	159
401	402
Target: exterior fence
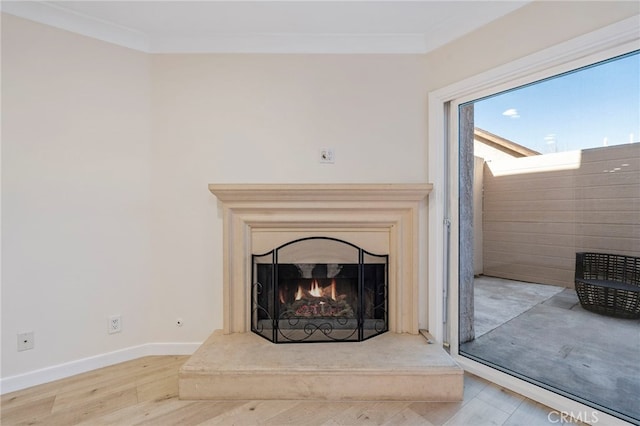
539	211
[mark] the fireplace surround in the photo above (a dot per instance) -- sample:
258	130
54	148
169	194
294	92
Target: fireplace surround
380	218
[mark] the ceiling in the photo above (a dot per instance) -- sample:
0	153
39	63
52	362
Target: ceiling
356	26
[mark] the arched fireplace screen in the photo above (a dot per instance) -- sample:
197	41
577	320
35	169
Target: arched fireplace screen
319	289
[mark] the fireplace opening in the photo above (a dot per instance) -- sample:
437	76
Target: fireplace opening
319	289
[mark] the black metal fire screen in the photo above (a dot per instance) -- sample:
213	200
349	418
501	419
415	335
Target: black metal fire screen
319	289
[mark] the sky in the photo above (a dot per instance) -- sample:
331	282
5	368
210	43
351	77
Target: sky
592	107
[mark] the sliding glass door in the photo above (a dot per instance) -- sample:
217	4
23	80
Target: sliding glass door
539	173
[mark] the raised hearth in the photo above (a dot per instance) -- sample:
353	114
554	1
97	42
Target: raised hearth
390	367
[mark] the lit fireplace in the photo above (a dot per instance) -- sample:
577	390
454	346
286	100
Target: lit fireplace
319	289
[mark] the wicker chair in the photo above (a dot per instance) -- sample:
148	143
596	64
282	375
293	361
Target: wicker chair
608	284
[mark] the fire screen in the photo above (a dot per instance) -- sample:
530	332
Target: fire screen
319	289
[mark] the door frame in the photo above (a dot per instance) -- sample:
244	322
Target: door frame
608	42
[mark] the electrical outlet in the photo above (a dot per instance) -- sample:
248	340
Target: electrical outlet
327	155
115	324
25	341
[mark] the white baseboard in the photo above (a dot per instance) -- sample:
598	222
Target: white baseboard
61	371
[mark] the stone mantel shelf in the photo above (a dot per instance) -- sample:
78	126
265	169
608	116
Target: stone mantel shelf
321	192
275	210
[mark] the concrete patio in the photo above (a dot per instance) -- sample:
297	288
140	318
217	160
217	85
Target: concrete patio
542	334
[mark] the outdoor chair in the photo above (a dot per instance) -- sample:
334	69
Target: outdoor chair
608	284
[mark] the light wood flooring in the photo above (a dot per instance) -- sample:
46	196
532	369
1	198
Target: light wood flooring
145	391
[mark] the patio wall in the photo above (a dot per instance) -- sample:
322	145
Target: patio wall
539	211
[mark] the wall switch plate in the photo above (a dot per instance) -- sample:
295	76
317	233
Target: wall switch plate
327	156
114	324
25	341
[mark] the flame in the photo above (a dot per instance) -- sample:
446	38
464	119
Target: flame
299	293
316	290
281	296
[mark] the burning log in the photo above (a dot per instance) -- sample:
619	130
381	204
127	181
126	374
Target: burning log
318	301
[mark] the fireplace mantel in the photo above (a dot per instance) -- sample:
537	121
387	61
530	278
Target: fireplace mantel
230	193
318	209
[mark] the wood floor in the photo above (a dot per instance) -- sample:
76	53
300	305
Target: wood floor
145	391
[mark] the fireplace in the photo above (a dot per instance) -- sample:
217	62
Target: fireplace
300	238
319	289
379	218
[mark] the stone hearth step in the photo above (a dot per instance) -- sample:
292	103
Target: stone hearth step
390	367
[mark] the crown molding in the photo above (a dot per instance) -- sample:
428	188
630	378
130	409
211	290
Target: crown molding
59	17
54	15
65	19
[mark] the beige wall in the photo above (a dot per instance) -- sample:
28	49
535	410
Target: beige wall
107	154
539	211
263	119
75	195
